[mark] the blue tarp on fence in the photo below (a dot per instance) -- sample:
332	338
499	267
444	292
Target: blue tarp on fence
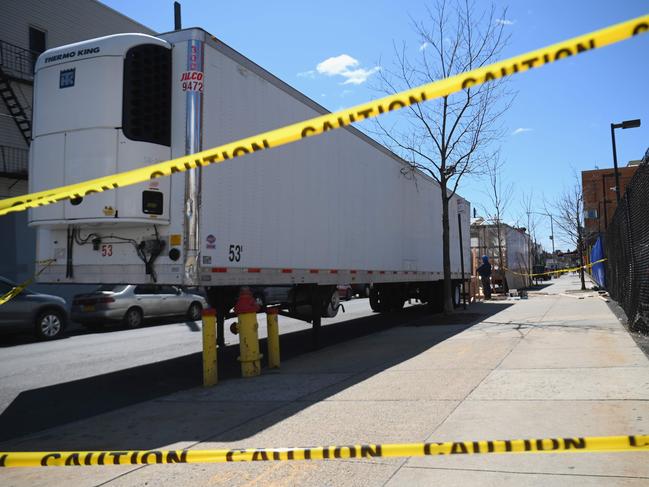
599	270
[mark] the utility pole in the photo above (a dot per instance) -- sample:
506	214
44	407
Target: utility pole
552	232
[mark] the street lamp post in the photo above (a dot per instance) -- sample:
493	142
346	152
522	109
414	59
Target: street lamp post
627	124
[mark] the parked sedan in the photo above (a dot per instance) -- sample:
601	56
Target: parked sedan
132	304
42	314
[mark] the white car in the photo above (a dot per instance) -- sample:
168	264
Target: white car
132	304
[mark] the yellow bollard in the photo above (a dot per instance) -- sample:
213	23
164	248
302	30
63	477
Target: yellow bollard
272	326
210	376
246	310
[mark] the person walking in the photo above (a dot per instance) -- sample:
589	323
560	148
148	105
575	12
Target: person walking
485	275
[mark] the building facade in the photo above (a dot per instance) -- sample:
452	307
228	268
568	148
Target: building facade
517	249
27	28
600	200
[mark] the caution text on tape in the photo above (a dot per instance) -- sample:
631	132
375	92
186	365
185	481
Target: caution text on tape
141	457
332	121
558	271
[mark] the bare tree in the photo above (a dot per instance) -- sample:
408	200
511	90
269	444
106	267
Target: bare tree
500	195
449	137
569	216
528	203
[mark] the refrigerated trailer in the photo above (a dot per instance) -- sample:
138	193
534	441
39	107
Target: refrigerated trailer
334	209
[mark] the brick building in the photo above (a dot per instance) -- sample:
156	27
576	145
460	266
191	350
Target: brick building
600	201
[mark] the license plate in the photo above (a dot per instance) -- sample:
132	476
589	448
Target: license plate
88	307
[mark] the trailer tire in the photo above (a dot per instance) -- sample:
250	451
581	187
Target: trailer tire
397	304
331	304
378	301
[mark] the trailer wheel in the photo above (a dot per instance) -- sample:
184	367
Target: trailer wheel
397	302
378	301
331	304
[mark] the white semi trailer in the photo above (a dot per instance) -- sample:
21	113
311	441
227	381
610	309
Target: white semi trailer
335	209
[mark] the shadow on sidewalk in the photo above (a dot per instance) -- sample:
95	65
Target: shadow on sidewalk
40	409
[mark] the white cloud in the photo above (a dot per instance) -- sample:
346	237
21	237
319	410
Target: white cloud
423	46
336	65
344	93
521	130
341	66
358	76
505	22
306	74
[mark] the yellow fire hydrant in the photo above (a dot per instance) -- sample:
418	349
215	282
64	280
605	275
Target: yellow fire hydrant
246	310
272	326
210	376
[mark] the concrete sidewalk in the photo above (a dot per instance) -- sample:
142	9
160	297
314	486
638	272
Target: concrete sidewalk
557	364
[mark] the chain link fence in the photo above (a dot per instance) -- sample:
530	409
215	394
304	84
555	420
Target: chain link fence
627	249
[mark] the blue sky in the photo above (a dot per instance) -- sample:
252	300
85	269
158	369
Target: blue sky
559	122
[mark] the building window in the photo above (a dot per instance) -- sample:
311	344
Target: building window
36	43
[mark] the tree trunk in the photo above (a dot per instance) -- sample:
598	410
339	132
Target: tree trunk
581	264
446	252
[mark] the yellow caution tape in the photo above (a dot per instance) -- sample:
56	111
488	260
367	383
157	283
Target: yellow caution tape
20	287
332	121
143	457
558	271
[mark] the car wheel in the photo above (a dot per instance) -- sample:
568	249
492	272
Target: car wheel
50	325
133	318
378	300
194	313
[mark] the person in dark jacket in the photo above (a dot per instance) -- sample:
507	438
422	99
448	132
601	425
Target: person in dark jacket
485	274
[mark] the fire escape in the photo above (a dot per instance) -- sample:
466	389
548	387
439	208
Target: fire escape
16	67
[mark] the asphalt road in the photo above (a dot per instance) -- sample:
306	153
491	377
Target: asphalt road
47	383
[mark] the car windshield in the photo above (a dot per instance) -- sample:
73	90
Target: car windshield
115	288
